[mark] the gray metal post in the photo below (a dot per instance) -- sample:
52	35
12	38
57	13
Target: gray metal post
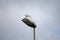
34	34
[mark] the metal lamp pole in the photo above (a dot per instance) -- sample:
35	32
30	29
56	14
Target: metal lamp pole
34	34
30	24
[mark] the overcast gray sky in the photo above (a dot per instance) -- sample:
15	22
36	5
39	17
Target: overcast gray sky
46	14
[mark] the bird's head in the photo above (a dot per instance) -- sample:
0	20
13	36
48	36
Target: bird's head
26	15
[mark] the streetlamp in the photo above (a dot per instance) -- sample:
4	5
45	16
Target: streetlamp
28	21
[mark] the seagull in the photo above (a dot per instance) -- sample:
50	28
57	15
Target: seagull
28	21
